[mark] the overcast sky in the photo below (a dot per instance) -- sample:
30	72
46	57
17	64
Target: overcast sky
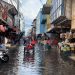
30	9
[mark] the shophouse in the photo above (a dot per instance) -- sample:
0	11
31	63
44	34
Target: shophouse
8	28
63	20
61	15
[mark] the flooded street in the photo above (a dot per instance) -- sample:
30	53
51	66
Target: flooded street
39	63
37	37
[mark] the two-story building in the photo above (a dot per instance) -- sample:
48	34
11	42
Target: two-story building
8	26
61	15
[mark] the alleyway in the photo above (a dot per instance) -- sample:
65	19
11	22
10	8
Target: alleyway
41	63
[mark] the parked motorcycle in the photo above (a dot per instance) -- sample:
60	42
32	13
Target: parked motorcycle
4	55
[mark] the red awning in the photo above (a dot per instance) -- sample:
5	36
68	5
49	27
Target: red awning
2	28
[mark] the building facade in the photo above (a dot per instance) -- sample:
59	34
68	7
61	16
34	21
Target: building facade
43	23
43	19
48	22
63	17
15	9
8	12
61	14
38	23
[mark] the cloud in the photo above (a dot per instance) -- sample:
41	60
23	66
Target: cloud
30	9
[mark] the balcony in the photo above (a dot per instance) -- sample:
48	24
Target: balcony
46	9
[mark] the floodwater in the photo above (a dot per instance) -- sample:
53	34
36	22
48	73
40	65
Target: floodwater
39	63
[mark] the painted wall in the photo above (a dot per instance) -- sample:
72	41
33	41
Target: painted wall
40	28
48	23
73	15
43	26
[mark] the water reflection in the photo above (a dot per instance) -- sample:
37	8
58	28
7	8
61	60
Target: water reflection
30	64
37	63
28	57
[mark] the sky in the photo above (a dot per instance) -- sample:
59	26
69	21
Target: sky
30	9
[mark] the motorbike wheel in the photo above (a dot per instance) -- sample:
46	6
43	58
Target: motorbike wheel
5	58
